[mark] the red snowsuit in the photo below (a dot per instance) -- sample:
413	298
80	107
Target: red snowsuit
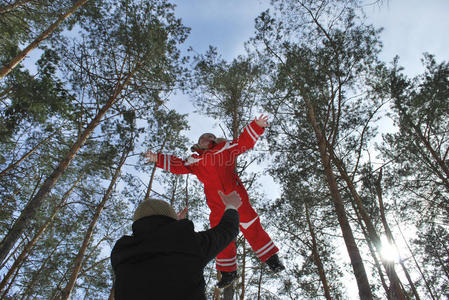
215	168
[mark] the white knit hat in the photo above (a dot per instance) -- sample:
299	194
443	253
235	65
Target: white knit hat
153	207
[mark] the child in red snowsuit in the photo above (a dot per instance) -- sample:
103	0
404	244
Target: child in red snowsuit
214	165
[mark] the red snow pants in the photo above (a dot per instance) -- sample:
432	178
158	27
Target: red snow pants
250	226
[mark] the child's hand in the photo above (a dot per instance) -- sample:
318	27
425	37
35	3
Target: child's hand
262	121
150	156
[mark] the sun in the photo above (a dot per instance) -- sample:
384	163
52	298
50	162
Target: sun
388	251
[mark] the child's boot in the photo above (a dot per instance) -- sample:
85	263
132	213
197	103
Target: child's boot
227	278
275	264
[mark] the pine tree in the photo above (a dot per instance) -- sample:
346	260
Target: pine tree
415	172
134	49
325	57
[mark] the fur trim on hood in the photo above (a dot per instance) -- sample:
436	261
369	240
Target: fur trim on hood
196	147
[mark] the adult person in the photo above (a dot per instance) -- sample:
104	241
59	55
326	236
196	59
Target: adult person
165	257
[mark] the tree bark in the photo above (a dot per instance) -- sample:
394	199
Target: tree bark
34	204
316	257
19	57
351	246
79	258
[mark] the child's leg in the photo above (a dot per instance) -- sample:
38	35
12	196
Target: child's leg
226	260
251	228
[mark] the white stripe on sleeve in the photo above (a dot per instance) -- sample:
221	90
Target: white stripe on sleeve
250	134
253	131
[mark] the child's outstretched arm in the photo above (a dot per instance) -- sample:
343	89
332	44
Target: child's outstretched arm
251	134
168	162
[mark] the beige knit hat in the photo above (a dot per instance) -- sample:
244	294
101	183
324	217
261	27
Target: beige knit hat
152	207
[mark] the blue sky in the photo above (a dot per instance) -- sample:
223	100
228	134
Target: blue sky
411	27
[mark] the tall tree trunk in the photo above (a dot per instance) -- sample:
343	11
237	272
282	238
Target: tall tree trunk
79	258
26	250
153	172
396	289
242	294
150	183
16	163
187	195
34	204
259	284
351	246
316	257
19	57
388	232
11	283
376	263
14	252
175	188
369	242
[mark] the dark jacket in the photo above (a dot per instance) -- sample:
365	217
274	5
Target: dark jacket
165	258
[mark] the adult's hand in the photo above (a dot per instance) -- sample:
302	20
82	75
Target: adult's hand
182	214
232	199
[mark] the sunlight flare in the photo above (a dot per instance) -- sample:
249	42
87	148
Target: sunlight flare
389	251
